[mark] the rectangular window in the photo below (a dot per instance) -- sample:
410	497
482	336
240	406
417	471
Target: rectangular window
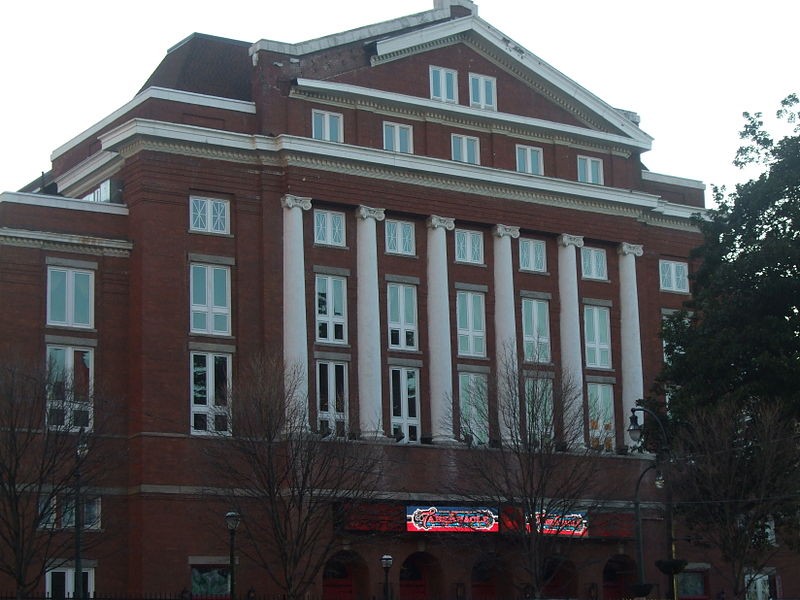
469	246
70	374
209	581
596	324
466	149
674	276
601	416
210	392
329	228
331	309
400	237
208	215
593	263
211	299
471	325
327	126
398	138
404	396
402	317
70	297
473	400
91	512
482	91
539	408
590	170
444	84
532	255
60	583
332	398
693	585
536	330
529	160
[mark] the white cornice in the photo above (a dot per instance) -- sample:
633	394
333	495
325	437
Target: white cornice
160	94
89	173
672	180
65	242
65	203
355	92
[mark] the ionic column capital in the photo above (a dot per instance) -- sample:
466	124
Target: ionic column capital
565	239
291	201
506	230
366	212
625	248
435	222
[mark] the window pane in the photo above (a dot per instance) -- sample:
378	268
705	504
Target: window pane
436	83
199	375
221	380
82	298
58	296
221	288
198	285
391	236
409	306
397	400
450	85
323	392
405	140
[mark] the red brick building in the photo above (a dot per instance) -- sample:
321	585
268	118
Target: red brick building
446	192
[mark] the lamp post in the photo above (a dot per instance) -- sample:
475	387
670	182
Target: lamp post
386	563
232	520
642	588
81	450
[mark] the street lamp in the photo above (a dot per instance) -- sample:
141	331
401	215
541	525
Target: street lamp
386	563
81	450
641	589
232	520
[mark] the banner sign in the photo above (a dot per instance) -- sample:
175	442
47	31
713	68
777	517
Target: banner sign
568	525
452	519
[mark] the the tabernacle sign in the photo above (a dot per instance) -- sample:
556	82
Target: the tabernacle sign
569	525
452	519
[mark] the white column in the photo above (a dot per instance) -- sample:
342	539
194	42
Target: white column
505	327
295	331
370	396
630	333
570	329
441	361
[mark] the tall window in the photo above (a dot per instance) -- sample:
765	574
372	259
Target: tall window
473	401
397	137
532	255
466	149
590	170
331	309
327	126
70	375
211	299
536	330
598	336
402	318
674	276
400	237
539	408
211	384
208	215
444	84
329	228
482	91
471	324
404	392
601	416
529	160
469	246
70	297
332	398
593	263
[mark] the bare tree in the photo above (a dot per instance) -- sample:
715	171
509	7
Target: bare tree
736	484
294	487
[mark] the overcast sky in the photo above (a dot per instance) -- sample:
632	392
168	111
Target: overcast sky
688	67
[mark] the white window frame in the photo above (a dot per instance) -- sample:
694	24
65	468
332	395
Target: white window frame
404	404
402	318
61	392
673	276
330	228
597	336
441	89
333	420
462	146
400	237
469	246
473	402
69	581
209	215
471	321
594	264
92	512
331	321
481	87
532	255
393	137
539	415
70	296
214	406
602	434
214	311
327	126
530	160
536	330
590	170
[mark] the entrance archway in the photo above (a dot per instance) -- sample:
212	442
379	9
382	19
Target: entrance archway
490	579
618	575
561	578
344	577
420	577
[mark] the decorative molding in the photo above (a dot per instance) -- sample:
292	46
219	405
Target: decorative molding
435	222
365	212
506	230
65	203
565	239
625	248
290	201
64	242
